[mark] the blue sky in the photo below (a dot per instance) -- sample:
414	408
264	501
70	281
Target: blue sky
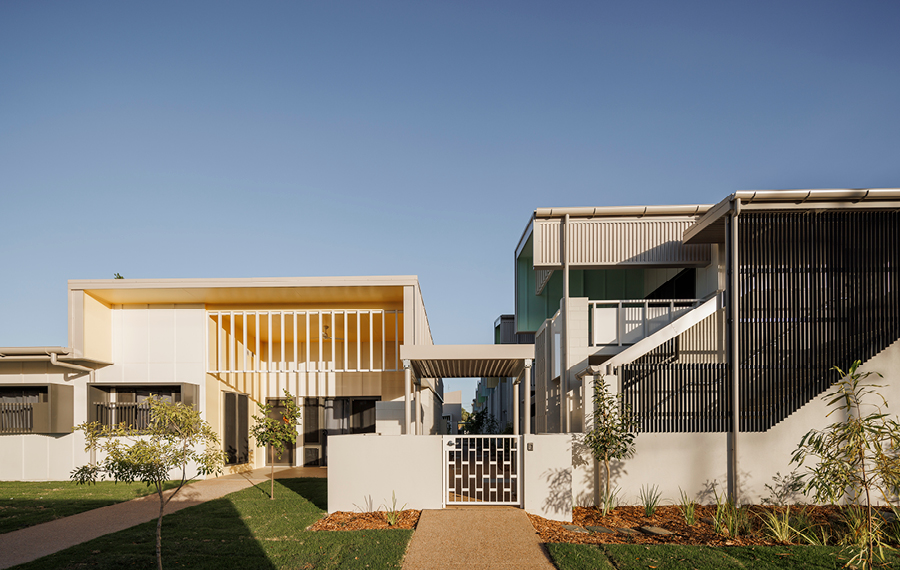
192	139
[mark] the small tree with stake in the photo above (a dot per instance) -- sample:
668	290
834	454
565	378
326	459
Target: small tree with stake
611	436
855	457
276	432
175	437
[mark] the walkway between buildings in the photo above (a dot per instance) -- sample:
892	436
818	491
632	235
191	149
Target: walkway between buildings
31	543
475	538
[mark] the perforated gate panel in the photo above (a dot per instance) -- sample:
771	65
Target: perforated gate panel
482	469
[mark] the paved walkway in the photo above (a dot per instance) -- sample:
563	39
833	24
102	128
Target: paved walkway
475	538
40	540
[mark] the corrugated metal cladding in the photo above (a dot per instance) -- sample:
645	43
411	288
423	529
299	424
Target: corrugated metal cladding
600	242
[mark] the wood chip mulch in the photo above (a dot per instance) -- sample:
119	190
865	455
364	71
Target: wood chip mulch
345	520
667	517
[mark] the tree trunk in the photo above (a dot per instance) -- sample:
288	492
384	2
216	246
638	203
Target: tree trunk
606	465
162	505
272	493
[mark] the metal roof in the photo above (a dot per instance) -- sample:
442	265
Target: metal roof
467	360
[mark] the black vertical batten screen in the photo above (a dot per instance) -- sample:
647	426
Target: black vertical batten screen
816	290
677	397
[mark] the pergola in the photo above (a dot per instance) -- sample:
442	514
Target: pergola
465	361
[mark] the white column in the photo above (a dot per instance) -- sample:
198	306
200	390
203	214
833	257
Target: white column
564	418
516	390
527	381
407	388
419	408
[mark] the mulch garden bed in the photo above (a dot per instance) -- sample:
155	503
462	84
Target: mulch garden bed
345	520
666	517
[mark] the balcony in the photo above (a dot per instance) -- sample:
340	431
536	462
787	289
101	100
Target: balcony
623	323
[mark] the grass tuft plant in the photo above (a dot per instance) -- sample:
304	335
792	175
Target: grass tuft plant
730	519
778	525
688	508
609	501
650	496
392	513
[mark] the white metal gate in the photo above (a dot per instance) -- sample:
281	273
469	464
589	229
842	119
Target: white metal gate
482	470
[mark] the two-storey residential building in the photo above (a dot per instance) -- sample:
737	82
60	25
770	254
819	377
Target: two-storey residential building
223	346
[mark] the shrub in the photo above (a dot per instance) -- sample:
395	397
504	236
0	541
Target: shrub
854	458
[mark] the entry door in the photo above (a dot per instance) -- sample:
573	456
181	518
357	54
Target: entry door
287	456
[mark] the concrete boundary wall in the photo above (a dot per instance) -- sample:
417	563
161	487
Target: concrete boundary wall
548	476
364	471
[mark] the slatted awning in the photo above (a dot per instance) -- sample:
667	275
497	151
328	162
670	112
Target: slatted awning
467	360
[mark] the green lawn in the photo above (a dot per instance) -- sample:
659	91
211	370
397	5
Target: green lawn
242	530
676	557
24	504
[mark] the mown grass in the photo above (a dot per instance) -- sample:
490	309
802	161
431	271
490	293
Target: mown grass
24	504
243	530
678	557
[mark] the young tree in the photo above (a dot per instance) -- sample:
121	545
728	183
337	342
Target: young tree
176	436
480	423
611	436
276	432
856	456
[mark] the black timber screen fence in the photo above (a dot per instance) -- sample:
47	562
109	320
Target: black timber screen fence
816	290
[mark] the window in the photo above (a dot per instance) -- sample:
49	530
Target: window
236	436
46	408
115	404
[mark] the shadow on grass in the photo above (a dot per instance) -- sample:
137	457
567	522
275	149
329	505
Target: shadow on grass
25	504
313	490
243	530
211	536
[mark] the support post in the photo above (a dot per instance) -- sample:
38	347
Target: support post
733	270
418	405
564	418
407	388
516	392
527	396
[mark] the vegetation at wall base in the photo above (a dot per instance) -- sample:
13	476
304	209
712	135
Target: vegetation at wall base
855	459
243	530
612	433
27	503
677	557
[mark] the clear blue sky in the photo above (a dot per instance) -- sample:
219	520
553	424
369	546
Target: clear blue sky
191	139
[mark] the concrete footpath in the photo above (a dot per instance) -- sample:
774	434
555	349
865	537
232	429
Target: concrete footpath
31	543
475	538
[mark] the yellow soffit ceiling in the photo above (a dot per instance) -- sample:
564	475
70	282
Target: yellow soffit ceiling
319	291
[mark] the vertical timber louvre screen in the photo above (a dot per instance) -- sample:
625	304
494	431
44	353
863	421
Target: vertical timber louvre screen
482	470
817	290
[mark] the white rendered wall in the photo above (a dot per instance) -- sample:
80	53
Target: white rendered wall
38	457
157	344
548	476
366	469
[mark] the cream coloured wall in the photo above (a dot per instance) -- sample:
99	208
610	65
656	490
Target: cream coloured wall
548	476
408	465
97	329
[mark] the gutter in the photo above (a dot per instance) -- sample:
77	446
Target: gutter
618	211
